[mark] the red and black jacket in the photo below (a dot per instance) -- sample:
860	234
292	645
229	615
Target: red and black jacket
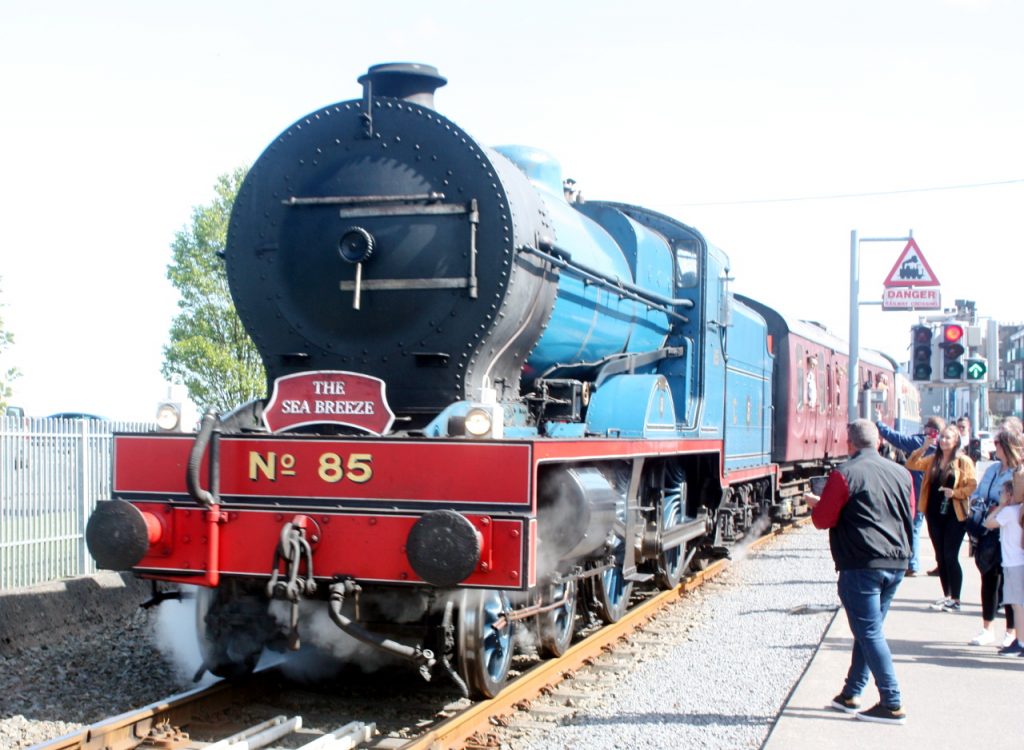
868	507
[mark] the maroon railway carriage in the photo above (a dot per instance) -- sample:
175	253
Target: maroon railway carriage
810	392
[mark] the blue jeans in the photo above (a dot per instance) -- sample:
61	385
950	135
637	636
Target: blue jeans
866	594
915	543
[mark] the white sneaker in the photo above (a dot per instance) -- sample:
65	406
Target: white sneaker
1008	639
940	604
983	638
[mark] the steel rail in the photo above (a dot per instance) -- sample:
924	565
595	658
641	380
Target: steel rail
159	721
454	732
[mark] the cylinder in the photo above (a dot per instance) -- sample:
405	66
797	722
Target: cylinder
576	513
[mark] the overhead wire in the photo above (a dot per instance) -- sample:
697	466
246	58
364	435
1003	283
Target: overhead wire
839	196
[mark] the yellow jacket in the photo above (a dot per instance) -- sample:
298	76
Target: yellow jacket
965	480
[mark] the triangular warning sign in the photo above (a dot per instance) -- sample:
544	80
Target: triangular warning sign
911	269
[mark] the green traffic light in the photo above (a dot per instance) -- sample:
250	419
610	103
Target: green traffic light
976	369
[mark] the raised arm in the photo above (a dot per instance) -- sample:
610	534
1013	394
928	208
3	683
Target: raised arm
899	440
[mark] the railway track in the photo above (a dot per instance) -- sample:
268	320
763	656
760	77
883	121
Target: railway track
171	723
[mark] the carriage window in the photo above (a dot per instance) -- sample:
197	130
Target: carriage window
686	268
812	383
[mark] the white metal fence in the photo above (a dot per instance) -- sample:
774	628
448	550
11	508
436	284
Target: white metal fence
52	472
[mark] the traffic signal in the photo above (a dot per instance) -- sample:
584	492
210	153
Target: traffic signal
952	352
977	368
921	353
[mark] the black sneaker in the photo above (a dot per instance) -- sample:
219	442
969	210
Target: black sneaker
951	605
1014	649
845	703
883	715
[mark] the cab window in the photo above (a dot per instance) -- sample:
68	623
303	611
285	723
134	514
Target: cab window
687	269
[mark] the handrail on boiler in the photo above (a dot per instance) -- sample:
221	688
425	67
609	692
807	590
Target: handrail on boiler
562	259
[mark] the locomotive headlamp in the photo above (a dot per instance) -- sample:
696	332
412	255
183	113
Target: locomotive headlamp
478	422
168	416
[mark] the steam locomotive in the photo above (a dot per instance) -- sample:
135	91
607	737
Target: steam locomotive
491	405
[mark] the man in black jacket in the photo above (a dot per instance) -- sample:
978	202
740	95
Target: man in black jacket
868	507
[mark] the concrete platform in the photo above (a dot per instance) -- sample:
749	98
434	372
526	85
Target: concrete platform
955	695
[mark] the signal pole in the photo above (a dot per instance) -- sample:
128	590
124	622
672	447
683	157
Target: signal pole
853	376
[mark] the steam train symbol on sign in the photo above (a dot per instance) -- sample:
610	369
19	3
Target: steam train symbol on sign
911	268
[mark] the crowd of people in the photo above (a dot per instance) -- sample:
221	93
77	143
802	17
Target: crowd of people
874	510
955	504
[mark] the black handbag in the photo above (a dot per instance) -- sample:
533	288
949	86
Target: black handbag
988	552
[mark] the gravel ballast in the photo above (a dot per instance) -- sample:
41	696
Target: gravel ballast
80	678
715	672
726	659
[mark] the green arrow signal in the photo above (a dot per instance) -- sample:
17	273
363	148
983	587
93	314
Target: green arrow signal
976	369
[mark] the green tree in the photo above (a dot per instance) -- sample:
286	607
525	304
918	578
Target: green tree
210	352
8	375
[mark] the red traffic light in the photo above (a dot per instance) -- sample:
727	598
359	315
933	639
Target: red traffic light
952	333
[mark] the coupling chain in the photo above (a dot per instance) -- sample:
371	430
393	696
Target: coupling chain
293	548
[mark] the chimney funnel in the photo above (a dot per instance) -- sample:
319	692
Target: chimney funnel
413	82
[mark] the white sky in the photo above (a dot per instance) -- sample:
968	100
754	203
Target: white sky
117	117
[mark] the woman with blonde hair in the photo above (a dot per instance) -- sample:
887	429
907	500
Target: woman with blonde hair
985	543
948	479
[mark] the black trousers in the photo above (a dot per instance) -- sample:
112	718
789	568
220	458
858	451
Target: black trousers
991	594
947	534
